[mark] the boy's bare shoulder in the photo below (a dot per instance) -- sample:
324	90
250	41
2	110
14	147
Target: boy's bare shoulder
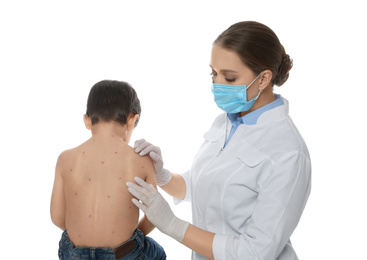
66	156
69	153
140	161
141	164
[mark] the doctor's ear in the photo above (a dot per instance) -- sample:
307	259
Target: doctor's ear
265	79
87	122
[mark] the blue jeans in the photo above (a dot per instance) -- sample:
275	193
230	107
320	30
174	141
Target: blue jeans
145	248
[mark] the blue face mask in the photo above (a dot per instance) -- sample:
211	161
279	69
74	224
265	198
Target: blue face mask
233	98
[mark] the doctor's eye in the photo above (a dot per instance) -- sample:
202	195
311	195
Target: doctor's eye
230	79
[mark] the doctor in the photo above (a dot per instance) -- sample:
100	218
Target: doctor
250	180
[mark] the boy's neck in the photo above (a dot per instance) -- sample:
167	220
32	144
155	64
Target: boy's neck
110	129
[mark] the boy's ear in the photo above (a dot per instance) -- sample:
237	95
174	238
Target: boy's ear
87	122
131	121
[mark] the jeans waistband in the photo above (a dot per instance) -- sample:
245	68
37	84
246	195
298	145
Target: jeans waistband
134	244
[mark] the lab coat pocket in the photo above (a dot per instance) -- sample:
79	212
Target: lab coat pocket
251	156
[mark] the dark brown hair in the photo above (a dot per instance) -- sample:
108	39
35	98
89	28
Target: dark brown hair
259	49
111	100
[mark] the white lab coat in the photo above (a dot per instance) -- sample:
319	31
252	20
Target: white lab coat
252	194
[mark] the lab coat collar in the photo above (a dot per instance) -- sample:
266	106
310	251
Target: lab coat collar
253	117
275	114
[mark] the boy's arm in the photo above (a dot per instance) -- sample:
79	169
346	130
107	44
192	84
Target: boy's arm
58	198
144	224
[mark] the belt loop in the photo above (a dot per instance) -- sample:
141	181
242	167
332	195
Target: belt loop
140	238
92	254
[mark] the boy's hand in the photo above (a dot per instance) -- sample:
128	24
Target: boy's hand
157	209
162	176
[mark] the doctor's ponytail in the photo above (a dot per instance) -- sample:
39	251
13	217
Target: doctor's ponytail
259	49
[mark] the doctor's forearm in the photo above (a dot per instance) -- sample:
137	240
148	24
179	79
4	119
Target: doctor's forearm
176	187
199	240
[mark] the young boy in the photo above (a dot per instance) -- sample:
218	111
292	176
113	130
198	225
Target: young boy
90	200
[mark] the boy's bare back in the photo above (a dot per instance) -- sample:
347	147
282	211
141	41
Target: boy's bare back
98	207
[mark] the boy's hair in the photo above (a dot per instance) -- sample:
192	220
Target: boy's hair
111	100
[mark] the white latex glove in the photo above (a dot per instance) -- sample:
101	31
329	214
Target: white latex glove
162	176
157	209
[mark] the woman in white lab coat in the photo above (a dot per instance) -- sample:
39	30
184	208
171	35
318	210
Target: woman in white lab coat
250	180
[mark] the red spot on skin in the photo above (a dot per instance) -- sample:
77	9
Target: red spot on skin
79	235
130	207
102	162
76	193
83	152
142	167
115	152
93	140
113	232
71	169
90	216
89	179
108	196
120	178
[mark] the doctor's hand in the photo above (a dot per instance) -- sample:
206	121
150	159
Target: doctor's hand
162	176
157	209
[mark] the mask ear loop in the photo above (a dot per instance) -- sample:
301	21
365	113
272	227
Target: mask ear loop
258	94
254	80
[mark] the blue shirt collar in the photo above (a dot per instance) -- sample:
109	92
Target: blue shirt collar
251	118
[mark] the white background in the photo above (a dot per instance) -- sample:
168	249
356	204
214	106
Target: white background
52	52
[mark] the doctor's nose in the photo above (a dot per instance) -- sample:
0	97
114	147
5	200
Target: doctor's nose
218	79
